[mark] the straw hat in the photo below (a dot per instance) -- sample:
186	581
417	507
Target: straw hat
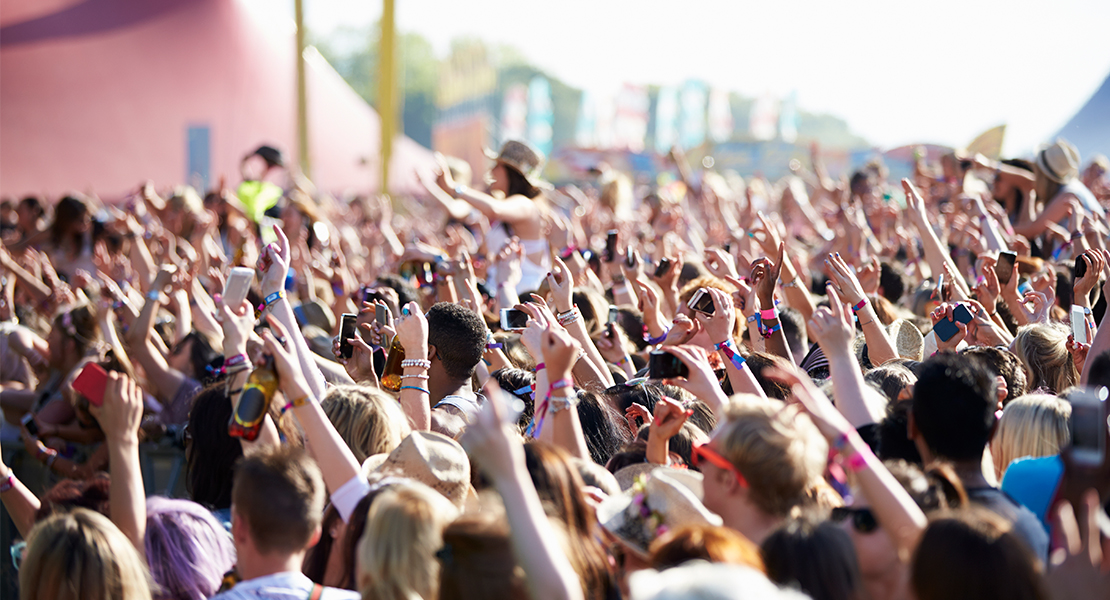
907	338
430	458
1059	161
522	157
627	476
662	500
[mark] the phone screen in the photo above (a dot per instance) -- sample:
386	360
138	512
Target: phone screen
611	245
1004	268
380	314
1079	325
513	319
702	302
346	332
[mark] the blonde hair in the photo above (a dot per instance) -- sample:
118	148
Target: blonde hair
81	555
1032	425
777	449
1042	350
367	419
397	551
616	194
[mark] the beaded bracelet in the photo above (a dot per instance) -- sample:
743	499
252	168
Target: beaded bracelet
413	387
422	363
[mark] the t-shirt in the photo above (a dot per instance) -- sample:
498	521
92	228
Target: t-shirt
258	197
1033	483
282	586
1025	524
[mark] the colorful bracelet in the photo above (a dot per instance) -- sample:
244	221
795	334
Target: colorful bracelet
655	340
235	360
859	307
558	385
422	363
561	403
413	387
769	314
569	318
272	298
541	367
729	350
771	330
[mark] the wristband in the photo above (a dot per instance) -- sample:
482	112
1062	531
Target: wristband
858	307
495	346
272	298
421	363
413	387
415	376
561	403
238	359
729	350
541	367
769	313
1085	310
8	484
856	462
154	295
771	330
558	385
841	442
655	340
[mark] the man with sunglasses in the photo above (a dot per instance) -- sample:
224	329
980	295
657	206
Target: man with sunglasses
759	463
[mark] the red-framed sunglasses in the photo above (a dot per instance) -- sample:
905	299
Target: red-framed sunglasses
709	455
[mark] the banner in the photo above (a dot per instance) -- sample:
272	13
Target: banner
541	115
514	113
630	122
666	119
764	117
720	116
788	119
692	125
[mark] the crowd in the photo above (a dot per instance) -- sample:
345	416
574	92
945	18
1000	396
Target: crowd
717	387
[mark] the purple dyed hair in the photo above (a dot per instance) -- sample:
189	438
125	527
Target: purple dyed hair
187	549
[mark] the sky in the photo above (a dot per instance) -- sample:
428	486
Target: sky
898	72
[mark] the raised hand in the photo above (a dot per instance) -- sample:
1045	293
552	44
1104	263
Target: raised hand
634	411
1082	287
720	263
237	325
274	263
829	421
765	284
562	286
122	410
560	351
832	326
722	322
412	329
280	348
845	278
945	312
701	380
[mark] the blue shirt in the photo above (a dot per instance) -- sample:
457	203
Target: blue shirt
1033	481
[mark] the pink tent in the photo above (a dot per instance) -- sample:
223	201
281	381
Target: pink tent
99	95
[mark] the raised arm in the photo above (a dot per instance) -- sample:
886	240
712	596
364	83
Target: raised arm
900	516
834	332
20	502
879	347
119	416
165	379
490	443
720	326
412	330
935	253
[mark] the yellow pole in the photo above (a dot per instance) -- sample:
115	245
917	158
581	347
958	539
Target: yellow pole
387	90
302	96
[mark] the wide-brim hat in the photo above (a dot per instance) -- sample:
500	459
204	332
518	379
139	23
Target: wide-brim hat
435	460
1059	161
524	158
907	339
660	501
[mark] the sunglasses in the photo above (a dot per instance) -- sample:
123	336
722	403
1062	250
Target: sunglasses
863	520
702	452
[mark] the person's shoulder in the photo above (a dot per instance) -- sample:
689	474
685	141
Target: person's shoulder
331	593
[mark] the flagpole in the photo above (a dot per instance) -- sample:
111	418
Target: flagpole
302	97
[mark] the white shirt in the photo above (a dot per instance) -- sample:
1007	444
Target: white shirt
282	586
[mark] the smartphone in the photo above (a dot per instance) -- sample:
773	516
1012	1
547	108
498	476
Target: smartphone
28	421
513	319
614	314
239	282
664	266
1088	426
938	293
1004	267
702	302
346	332
90	383
611	245
380	314
664	365
945	329
1079	325
1080	268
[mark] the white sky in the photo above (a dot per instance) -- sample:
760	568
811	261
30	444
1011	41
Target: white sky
899	72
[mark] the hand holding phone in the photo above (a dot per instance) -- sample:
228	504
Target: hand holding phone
346	332
664	365
611	245
702	302
1079	325
238	285
513	319
1004	266
945	328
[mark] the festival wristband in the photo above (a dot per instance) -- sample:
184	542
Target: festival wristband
858	307
770	313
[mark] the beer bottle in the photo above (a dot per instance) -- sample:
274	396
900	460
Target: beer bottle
254	401
391	378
